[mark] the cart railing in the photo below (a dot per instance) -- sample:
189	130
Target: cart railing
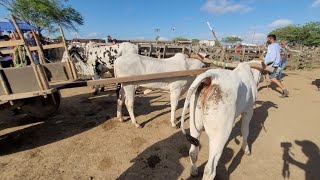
33	80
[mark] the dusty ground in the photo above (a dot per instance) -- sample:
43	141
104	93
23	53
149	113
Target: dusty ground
84	140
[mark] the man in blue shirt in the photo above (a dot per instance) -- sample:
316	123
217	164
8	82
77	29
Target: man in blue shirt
273	58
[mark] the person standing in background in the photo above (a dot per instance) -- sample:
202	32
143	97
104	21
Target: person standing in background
237	52
284	55
5	59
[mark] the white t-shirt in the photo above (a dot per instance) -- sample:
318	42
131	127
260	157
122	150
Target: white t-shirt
273	55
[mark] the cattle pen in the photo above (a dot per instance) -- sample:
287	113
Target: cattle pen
28	88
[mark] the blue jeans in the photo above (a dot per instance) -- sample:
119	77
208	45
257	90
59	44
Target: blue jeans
283	65
36	58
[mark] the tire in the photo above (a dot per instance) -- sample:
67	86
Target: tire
40	107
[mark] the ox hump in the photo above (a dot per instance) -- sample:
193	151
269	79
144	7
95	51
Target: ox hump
180	56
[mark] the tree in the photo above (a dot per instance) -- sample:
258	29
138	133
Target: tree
231	39
180	39
195	41
157	38
307	34
44	14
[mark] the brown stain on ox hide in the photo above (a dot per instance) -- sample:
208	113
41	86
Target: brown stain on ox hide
209	92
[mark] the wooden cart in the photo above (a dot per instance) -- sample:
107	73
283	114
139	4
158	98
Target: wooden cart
33	88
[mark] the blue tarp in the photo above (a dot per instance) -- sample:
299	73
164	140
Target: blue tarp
7	25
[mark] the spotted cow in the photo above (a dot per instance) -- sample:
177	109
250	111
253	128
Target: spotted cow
95	59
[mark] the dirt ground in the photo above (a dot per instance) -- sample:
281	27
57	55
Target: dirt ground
84	140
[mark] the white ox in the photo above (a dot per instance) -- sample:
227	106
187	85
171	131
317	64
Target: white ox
217	97
96	59
128	65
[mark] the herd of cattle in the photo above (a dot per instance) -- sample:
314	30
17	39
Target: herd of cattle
216	97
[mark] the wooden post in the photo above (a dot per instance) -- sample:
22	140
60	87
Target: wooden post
4	85
139	49
214	34
150	52
164	51
43	77
70	63
243	52
28	51
183	48
223	54
299	56
40	49
22	38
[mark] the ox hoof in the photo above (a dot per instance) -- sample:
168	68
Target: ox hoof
194	171
174	125
138	126
247	152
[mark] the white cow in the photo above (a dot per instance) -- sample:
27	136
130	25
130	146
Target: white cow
96	59
216	98
128	65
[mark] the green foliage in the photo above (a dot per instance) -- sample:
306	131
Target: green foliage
217	43
195	41
307	34
231	39
180	39
44	14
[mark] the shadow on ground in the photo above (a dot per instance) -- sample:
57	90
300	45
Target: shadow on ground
310	150
316	83
76	114
162	158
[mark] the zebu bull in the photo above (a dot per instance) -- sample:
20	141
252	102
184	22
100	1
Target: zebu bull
95	59
133	64
216	98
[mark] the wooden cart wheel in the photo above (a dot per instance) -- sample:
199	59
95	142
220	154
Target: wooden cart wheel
40	107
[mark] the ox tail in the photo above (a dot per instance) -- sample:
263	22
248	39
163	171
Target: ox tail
202	78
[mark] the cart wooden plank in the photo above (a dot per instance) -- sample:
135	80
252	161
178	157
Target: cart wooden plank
11	43
20	80
154	76
24	95
33	48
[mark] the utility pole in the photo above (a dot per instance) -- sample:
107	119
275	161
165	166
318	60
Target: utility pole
254	33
